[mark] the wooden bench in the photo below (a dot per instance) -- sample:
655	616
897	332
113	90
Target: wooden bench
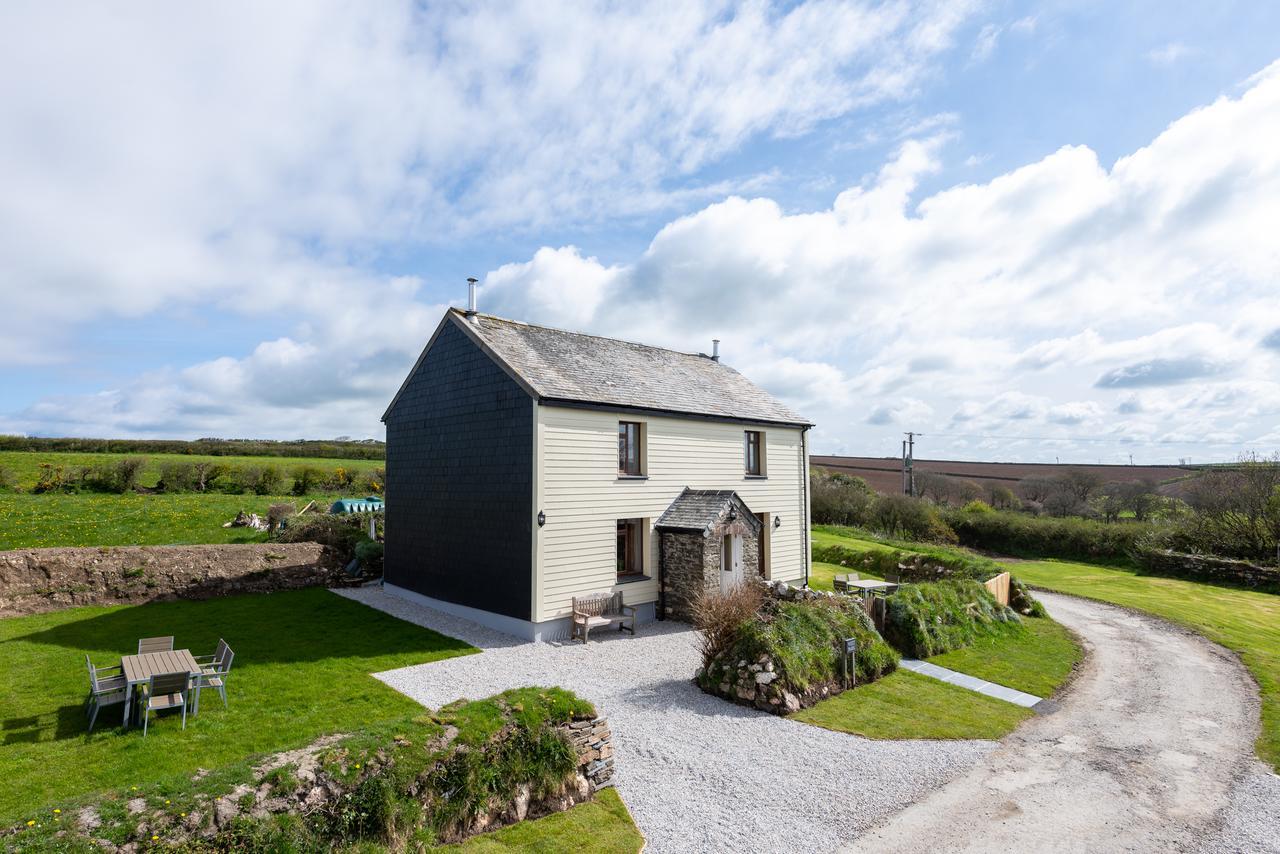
601	609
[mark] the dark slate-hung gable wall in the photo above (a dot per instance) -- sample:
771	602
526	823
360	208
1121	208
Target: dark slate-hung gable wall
460	481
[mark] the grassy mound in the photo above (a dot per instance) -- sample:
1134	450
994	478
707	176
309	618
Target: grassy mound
409	783
929	619
789	654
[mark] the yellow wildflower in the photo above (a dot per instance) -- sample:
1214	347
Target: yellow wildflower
31	823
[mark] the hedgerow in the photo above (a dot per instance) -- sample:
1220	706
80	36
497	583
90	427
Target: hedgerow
1038	537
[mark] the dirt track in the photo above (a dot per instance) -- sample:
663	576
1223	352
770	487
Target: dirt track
1142	755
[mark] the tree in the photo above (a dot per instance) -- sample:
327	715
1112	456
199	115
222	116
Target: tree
1082	484
1036	488
1001	497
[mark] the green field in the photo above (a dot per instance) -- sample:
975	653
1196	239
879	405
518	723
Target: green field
26	464
56	519
302	668
1245	621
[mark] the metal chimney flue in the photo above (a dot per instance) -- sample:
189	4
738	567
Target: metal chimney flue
715	349
471	297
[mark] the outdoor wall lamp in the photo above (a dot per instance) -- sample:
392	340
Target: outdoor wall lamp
542	518
733	514
777	521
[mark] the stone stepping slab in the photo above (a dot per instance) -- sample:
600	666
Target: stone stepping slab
989	689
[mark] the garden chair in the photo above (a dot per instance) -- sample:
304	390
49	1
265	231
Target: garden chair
213	673
103	690
146	645
165	691
841	582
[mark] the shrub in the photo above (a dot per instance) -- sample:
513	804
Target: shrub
929	619
839	499
256	479
183	476
8	480
369	553
718	616
307	479
978	506
340	532
52	478
126	473
909	518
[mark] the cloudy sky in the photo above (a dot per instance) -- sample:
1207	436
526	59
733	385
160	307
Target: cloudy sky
1028	231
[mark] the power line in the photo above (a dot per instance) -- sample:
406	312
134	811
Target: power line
1113	440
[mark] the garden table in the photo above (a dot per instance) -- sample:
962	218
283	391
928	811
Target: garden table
871	585
140	668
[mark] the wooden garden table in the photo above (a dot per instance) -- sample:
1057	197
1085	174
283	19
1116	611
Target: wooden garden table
140	668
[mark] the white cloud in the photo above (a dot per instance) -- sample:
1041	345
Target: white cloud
1169	54
179	154
996	305
1048	287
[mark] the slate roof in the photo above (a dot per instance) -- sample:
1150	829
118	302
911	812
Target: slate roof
587	369
699	509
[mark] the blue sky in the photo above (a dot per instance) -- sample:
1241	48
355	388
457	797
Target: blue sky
981	221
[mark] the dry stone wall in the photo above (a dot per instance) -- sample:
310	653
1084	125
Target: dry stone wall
34	581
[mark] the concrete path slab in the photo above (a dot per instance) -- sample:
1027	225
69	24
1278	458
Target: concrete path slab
973	683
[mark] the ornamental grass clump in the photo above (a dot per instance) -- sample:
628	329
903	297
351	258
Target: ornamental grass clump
929	619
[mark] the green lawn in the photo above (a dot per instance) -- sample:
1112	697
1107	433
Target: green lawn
302	666
1038	665
907	705
38	521
1245	621
602	826
26	464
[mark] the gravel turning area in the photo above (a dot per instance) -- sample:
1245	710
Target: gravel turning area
1151	750
698	773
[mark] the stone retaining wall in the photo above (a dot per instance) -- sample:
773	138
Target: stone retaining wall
34	581
1208	568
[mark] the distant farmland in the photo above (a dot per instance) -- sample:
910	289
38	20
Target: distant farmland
884	474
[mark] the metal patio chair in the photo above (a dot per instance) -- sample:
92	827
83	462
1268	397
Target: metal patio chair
164	644
165	691
103	690
213	673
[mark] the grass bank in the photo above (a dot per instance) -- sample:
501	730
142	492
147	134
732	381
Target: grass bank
1245	621
42	521
302	669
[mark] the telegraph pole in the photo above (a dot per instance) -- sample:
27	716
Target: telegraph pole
908	460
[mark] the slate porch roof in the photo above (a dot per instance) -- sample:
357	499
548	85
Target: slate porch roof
701	509
575	368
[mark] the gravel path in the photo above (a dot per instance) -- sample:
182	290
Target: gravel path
1151	750
699	774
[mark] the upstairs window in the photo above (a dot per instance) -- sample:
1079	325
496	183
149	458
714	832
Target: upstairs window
630	453
753	452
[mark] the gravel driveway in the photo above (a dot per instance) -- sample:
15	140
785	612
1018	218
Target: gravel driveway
698	774
1151	750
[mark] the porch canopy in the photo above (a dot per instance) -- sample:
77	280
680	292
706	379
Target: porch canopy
707	512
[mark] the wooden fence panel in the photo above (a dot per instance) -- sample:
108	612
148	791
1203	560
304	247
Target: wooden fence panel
999	587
